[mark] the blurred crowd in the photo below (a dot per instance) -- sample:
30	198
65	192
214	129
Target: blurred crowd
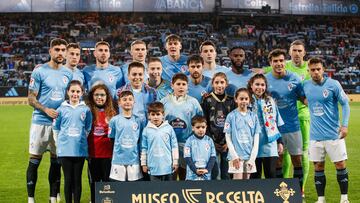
24	38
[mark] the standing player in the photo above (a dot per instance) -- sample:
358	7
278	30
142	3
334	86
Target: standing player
161	86
174	61
327	136
286	88
138	53
238	76
298	66
72	60
208	53
198	83
47	89
103	71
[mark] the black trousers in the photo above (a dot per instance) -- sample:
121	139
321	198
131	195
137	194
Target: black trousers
269	164
72	168
98	171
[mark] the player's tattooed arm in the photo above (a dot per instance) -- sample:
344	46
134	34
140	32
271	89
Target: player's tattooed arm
37	105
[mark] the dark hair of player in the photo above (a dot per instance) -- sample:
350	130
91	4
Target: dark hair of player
153	59
156	107
57	41
195	59
179	76
276	53
173	37
207	43
73	45
314	60
297	42
235	47
135	64
251	82
108	106
198	119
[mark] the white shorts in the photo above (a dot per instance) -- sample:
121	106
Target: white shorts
41	139
125	172
335	148
244	167
293	142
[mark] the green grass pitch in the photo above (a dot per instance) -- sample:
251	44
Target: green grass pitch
14	138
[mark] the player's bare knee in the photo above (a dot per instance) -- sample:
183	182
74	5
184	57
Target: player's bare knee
319	166
340	165
296	160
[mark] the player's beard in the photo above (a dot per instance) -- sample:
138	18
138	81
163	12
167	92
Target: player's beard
100	60
238	67
57	61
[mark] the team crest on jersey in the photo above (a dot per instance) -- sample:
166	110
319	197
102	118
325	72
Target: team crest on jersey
326	93
111	78
203	93
32	82
251	123
291	86
226	126
135	126
183	69
65	80
302	77
207	147
82	116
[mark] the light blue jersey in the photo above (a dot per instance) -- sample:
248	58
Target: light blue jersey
171	67
242	129
125	71
286	91
50	84
179	113
200	151
237	81
210	73
77	75
143	98
126	134
323	102
163	89
111	76
159	149
197	91
72	126
266	149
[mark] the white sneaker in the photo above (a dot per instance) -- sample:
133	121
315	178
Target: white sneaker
344	201
320	201
58	197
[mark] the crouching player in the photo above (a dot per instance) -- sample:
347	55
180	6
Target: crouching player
326	134
199	152
159	147
125	129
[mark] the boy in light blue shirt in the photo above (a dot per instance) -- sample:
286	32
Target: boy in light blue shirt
179	109
125	129
159	147
327	136
199	152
